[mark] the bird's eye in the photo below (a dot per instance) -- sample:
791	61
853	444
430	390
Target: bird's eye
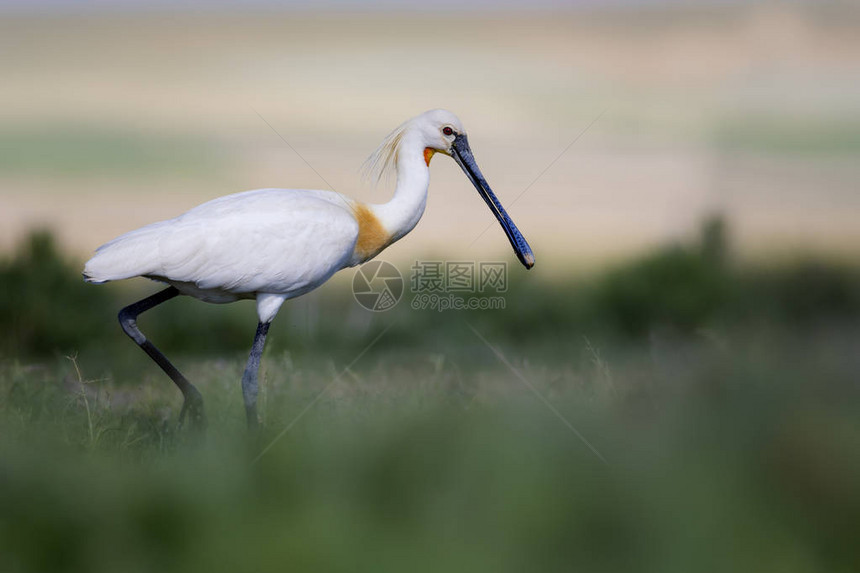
447	130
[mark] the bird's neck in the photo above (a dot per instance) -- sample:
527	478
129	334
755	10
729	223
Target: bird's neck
404	210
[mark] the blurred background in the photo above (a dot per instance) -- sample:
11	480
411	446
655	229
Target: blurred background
686	173
117	114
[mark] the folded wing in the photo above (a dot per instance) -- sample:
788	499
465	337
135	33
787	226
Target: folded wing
271	240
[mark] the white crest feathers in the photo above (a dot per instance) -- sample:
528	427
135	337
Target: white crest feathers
383	161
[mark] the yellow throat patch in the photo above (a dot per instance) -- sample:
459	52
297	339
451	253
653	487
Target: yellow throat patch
372	236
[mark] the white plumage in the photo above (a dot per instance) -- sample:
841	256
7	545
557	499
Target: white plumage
275	244
282	242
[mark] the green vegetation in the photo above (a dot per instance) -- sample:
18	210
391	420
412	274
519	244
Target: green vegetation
788	135
723	398
71	150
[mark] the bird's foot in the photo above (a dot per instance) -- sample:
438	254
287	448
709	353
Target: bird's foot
192	409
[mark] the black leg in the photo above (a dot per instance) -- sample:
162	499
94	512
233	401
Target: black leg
249	378
193	404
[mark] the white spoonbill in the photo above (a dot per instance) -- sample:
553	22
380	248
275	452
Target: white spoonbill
275	244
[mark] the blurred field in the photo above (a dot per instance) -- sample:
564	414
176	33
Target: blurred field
693	318
108	122
723	398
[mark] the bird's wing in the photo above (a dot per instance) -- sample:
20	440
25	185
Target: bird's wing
270	240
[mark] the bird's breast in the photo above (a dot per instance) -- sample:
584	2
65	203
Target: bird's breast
372	235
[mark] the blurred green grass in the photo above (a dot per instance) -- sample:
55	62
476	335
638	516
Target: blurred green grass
724	398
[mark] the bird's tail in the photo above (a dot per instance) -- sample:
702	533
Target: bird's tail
103	267
129	255
88	278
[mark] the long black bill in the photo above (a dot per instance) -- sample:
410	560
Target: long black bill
463	156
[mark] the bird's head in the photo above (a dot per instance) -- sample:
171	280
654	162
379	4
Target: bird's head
443	133
438	128
440	131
